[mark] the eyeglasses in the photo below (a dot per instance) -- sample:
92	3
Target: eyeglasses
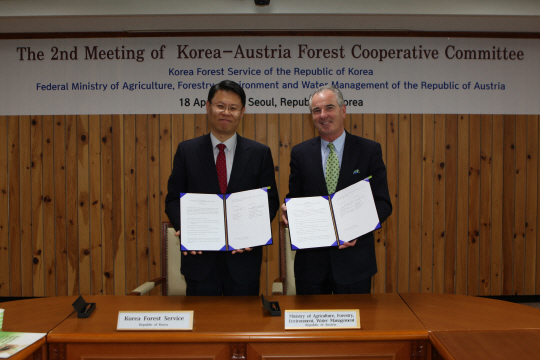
232	109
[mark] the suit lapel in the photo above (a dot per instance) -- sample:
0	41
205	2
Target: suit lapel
317	163
207	163
241	159
348	162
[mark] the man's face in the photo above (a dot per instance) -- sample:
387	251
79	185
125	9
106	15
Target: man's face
327	116
224	114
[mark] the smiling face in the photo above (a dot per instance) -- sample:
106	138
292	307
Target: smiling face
328	116
223	124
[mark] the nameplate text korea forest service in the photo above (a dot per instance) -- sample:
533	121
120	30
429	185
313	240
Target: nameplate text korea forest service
155	320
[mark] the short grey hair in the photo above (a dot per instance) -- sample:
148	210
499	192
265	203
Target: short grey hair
335	90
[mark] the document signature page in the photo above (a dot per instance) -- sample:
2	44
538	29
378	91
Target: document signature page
310	222
354	211
248	219
202	222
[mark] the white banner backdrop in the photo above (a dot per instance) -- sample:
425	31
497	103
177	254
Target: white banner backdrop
172	75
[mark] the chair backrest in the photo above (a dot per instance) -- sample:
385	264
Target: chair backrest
175	283
286	260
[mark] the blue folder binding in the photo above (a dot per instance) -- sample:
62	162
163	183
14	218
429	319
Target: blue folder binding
293	247
224	248
378	226
183	248
270	242
182	194
335	243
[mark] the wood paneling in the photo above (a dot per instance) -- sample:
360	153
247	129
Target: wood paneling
428	168
4	209
439	187
82	199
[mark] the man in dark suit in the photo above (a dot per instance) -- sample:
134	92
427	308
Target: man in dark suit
349	268
221	162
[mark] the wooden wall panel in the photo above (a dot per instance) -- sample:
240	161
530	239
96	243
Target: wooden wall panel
139	263
118	205
485	204
450	202
151	249
428	128
415	234
94	147
82	199
520	204
5	273
49	235
532	205
497	178
392	168
60	195
166	149
131	171
474	204
83	173
14	244
508	204
379	281
72	235
25	187
272	140
462	224
106	206
439	188
404	201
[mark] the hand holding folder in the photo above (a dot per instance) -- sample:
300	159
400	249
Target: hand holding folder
321	221
215	222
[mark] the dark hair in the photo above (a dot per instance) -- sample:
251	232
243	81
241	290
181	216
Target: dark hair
228	85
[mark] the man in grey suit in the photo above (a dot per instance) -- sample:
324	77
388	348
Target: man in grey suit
349	268
221	162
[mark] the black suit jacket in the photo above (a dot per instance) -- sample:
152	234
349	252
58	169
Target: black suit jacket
194	171
307	179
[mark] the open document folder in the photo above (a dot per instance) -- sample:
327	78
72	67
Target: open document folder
321	221
210	222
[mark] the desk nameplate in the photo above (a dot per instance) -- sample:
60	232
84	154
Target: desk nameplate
322	319
155	320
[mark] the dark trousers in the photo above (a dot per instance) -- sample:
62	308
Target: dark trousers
220	282
329	286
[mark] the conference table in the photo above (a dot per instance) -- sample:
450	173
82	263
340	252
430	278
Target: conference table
393	326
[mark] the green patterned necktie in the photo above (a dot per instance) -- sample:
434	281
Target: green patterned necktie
332	170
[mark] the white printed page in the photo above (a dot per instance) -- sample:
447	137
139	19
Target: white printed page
310	222
354	211
248	219
202	222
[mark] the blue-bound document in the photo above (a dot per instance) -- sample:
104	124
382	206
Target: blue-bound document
210	222
321	221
